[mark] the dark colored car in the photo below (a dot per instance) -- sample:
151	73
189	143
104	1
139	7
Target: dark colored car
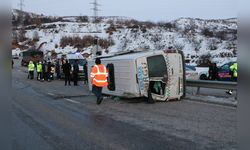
224	72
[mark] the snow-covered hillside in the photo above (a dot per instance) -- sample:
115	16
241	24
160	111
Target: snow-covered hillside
199	39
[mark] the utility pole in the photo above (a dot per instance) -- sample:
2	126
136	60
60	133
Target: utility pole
21	4
95	20
95	9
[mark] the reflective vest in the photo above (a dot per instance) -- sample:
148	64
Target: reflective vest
99	74
39	68
234	68
31	67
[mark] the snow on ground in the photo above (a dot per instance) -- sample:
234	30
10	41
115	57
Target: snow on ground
126	39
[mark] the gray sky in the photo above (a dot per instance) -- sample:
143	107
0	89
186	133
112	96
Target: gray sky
153	10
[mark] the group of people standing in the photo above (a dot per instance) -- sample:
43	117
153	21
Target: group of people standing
45	71
98	75
67	70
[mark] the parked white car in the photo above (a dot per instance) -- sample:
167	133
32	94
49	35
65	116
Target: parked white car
191	74
203	72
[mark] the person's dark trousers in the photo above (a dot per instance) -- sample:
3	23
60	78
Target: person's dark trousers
67	79
85	79
234	79
48	76
58	76
75	78
45	76
39	76
31	74
98	93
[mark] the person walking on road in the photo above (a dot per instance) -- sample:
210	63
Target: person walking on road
66	70
99	75
75	72
39	69
233	69
31	68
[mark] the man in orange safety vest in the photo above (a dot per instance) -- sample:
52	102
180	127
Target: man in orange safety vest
99	75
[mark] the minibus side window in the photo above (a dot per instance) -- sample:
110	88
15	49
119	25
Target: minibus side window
111	77
157	66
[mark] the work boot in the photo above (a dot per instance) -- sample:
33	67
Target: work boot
99	100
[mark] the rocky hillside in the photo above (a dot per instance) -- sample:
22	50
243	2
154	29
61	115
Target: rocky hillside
199	39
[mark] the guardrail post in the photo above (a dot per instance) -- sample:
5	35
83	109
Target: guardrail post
198	90
193	90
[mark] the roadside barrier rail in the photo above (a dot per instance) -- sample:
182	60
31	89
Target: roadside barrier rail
211	84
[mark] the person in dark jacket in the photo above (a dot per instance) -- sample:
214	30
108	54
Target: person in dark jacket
75	72
213	72
58	71
215	75
43	75
49	75
66	70
85	69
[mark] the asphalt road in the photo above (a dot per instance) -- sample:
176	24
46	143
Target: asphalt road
51	116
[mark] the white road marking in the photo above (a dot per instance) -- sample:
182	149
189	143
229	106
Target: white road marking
70	100
51	94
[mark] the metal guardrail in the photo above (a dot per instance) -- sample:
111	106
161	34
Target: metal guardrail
211	84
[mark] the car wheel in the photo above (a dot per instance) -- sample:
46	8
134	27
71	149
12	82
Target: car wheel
203	77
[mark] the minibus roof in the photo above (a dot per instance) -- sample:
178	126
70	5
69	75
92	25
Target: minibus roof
131	56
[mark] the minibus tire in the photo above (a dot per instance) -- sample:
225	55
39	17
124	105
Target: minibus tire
150	98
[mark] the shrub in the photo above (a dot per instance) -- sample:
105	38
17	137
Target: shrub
82	19
221	35
204	60
84	42
206	32
111	29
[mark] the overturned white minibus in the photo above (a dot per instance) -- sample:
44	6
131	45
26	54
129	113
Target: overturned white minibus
156	75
